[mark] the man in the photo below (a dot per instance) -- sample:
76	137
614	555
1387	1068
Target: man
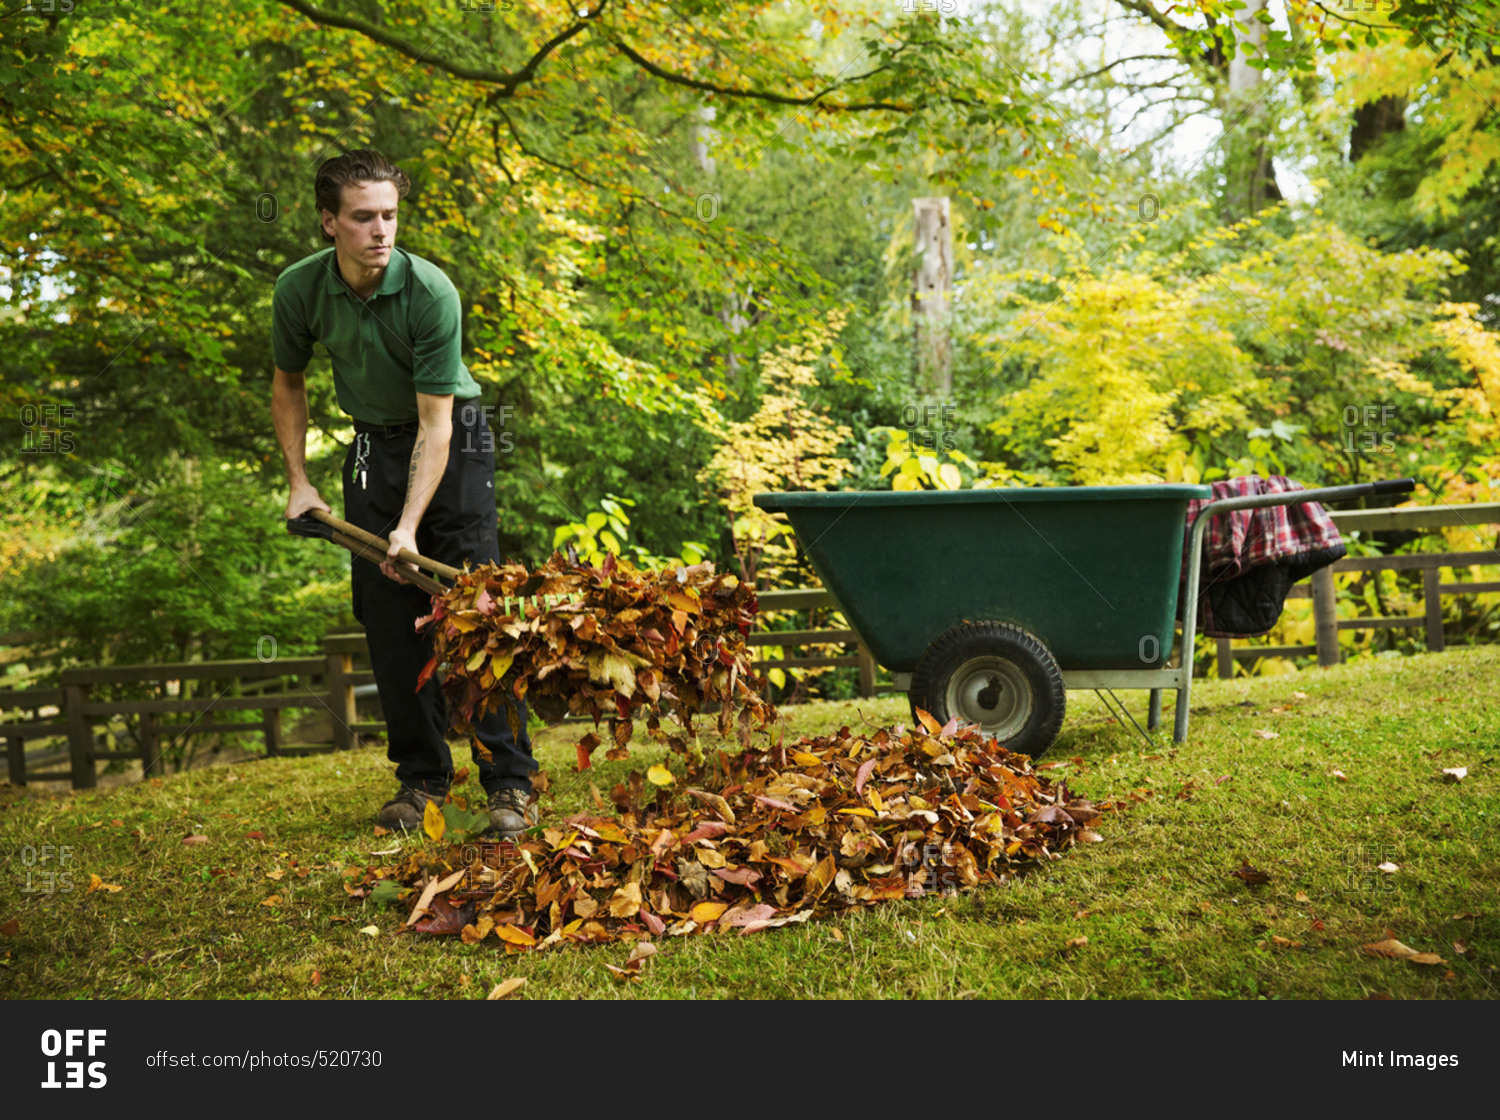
420	472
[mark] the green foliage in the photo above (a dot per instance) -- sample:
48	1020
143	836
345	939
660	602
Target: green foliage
172	568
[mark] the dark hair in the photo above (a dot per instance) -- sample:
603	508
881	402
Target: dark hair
362	165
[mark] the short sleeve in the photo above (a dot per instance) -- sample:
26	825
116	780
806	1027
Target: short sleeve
291	342
437	341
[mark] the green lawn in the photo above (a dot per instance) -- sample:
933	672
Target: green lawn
1162	916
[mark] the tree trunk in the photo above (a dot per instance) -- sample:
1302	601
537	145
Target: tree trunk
1249	173
931	297
1373	121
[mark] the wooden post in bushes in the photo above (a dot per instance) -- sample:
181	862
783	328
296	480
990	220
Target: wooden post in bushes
931	298
1325	617
80	736
340	666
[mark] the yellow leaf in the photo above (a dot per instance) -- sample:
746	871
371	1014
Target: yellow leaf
432	820
507	987
371	931
803	758
274	900
860	812
626	902
514	936
706	912
659	775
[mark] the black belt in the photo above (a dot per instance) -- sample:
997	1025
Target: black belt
409	428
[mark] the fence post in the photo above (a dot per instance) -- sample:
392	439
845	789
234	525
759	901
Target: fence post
15	759
866	671
341	699
80	736
272	717
153	761
1325	617
1431	581
1225	658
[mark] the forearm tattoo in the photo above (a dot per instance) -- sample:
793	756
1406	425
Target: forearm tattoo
411	477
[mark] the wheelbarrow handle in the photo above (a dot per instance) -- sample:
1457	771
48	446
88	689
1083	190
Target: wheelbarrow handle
321	523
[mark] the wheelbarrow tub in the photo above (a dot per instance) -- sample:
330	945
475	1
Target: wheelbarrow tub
1092	571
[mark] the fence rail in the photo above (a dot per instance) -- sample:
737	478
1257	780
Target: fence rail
1326	623
329	682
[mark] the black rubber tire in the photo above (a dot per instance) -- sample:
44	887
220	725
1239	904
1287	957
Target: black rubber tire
995	670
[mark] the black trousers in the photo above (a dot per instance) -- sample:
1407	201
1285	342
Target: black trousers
460	524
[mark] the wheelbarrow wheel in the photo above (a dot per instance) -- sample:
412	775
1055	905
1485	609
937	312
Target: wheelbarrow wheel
995	675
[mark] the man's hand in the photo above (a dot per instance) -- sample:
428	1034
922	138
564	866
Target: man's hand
399	539
304	497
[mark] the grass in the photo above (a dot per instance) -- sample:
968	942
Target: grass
1162	916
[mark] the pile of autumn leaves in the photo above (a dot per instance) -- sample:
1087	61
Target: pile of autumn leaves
768	837
749	841
609	642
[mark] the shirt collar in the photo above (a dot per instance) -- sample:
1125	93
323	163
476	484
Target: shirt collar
393	280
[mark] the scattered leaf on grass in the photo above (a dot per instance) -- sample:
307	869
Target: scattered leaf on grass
273	900
1388	867
11	928
1076	942
1456	773
1302	897
98	884
316	978
1249	874
659	775
381	830
197	838
1341	776
1395	950
370	931
1264	733
507	988
255	836
1461	949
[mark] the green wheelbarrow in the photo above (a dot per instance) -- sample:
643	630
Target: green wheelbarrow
989	605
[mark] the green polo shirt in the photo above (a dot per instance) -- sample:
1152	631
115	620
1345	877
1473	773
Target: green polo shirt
405	339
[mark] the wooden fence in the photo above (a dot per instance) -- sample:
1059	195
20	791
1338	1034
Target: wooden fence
1327	624
193	695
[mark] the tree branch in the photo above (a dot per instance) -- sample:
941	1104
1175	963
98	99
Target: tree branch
506	81
1111	65
762	95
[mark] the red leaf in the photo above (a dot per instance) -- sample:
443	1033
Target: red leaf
426	674
865	769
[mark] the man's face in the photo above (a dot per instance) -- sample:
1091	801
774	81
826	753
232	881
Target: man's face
365	227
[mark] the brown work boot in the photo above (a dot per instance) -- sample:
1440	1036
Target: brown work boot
512	812
406	808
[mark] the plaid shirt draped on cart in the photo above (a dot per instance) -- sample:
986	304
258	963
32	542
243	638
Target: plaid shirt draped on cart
1251	557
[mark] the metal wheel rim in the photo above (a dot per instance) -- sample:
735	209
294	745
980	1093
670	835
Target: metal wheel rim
992	692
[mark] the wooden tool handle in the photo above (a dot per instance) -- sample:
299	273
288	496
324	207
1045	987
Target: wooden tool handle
371	541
